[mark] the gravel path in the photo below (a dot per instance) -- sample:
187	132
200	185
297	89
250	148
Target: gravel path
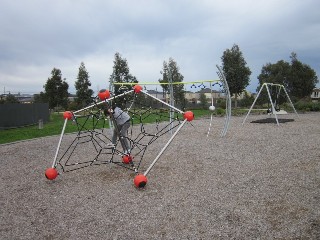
261	181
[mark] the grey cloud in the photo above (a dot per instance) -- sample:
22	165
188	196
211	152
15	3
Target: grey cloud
40	35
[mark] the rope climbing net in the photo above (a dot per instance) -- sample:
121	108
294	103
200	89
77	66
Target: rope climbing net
95	143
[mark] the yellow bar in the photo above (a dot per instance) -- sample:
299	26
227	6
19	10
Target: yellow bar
157	83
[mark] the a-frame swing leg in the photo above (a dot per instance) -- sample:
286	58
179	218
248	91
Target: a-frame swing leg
254	102
290	101
272	105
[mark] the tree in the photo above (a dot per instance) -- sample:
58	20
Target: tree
40	98
302	78
273	73
298	78
203	101
11	99
121	74
83	92
56	90
235	70
171	70
247	100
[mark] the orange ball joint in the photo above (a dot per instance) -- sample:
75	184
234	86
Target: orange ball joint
137	88
67	115
51	173
188	115
126	159
140	181
103	94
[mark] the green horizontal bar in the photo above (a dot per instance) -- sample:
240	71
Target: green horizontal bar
154	83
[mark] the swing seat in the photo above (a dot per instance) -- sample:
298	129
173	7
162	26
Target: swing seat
278	112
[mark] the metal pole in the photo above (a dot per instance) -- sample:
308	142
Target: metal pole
228	100
162	102
111	89
107	100
171	98
164	148
210	124
253	103
211	113
273	109
166	83
290	101
61	136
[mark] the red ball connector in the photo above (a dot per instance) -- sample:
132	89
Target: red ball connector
140	181
103	94
188	115
51	173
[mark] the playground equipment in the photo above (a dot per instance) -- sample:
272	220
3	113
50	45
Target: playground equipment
93	141
275	107
222	82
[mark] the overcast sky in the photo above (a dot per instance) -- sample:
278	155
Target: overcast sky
39	35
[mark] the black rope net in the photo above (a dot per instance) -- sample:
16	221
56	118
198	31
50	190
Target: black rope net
150	120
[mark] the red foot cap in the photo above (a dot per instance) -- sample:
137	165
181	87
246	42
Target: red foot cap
103	94
67	115
137	88
140	181
126	159
188	115
51	173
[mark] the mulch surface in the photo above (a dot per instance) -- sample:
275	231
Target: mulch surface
260	181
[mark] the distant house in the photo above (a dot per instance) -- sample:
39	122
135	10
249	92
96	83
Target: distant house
72	97
242	95
191	97
315	95
210	94
157	94
22	98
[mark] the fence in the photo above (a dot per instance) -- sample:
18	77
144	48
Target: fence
13	115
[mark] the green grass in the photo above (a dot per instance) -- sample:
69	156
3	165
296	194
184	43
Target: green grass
55	124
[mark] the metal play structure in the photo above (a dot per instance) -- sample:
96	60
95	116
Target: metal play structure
274	102
92	143
222	83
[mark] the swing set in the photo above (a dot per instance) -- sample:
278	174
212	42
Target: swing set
274	100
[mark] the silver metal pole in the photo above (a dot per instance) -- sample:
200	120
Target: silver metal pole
164	148
253	103
211	113
228	101
111	89
171	98
163	102
290	101
273	109
210	125
107	100
61	136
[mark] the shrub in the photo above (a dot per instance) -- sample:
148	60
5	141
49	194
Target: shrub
306	106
